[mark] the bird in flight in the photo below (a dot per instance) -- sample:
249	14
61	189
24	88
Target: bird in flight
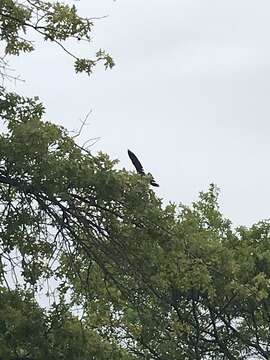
139	168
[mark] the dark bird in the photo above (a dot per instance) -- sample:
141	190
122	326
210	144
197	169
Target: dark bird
139	168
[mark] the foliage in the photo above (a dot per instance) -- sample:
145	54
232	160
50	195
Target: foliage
160	282
28	332
53	21
127	277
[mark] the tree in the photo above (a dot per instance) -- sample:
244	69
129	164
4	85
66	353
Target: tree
127	276
28	332
53	21
162	283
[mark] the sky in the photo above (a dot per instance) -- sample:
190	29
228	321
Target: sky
189	95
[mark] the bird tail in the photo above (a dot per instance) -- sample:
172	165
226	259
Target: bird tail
153	183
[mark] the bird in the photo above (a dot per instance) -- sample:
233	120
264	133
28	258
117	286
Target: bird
139	167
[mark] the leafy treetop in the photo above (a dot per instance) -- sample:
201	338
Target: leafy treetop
132	278
154	281
53	21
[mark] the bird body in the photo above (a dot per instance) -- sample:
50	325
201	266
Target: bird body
138	166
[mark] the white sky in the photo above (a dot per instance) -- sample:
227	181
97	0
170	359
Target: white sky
189	95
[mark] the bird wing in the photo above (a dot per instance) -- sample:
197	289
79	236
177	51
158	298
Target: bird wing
136	162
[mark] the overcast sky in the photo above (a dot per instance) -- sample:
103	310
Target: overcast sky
189	95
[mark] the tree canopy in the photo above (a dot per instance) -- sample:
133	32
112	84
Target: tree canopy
126	276
53	21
